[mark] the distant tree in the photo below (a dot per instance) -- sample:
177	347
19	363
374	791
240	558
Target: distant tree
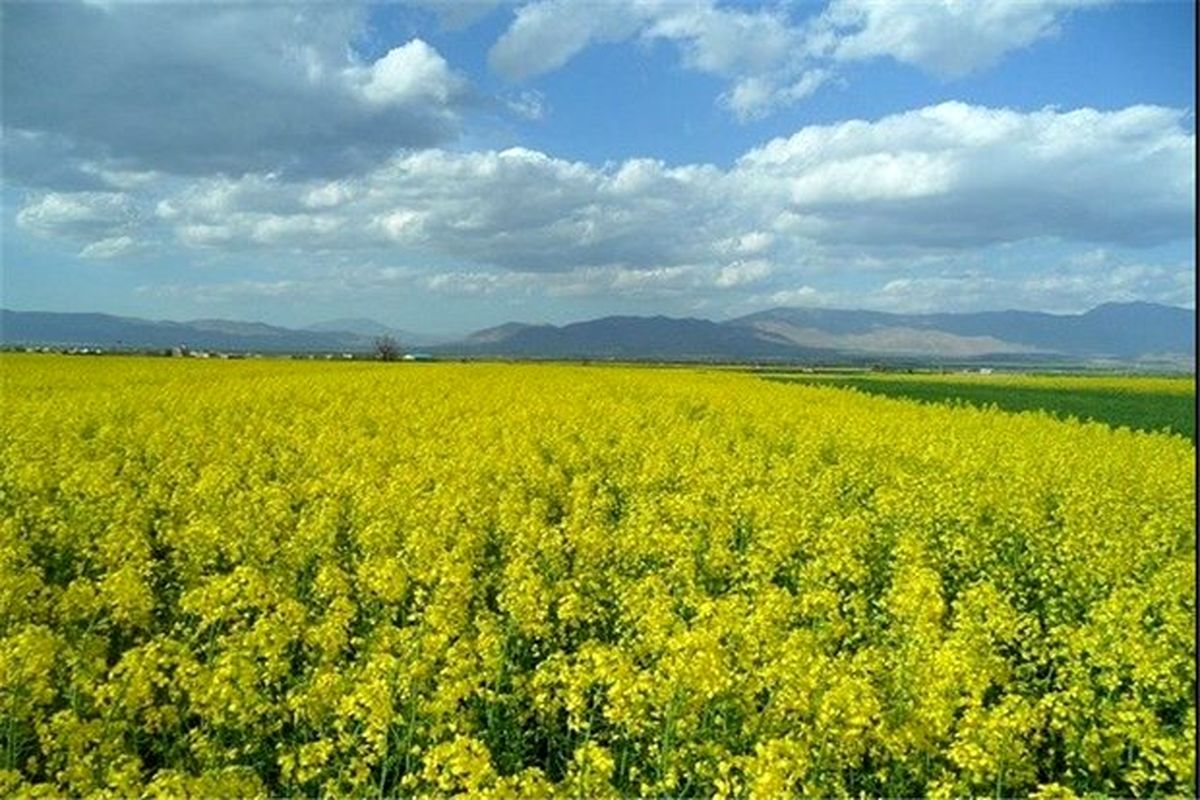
387	348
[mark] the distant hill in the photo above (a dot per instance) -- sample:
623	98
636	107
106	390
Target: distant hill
1125	332
1115	332
105	330
359	325
372	328
499	333
648	338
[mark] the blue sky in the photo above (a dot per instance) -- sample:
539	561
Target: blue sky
447	166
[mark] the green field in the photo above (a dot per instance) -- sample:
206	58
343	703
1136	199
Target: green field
1141	403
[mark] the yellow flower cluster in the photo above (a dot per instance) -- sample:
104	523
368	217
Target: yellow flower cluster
271	578
1114	384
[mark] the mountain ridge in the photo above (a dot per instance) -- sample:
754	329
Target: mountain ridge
1114	330
364	326
1122	332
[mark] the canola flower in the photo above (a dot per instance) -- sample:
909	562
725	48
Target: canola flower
1109	383
270	578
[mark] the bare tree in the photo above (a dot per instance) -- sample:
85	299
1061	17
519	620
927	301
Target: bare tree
387	348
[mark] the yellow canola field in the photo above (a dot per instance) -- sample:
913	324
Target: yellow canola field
273	578
1171	385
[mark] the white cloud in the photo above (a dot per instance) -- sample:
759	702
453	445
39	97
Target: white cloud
660	282
518	209
751	243
937	178
757	96
756	49
220	292
99	221
77	215
946	37
546	34
1066	289
409	74
111	247
771	59
1061	287
798	296
914	189
268	87
329	195
528	104
741	273
319	284
464	282
955	175
722	41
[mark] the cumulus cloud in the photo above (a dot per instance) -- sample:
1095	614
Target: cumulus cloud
546	34
569	214
795	296
913	188
111	247
772	59
1065	286
956	175
204	88
935	179
1067	289
757	96
408	75
740	273
528	104
754	48
688	281
101	221
944	37
77	215
723	41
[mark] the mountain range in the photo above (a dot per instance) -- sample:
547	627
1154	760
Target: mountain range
1122	332
371	329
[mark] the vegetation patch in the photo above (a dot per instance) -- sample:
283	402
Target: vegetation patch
255	578
1140	403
